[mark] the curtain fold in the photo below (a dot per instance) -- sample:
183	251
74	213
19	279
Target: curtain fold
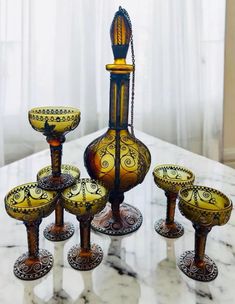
54	53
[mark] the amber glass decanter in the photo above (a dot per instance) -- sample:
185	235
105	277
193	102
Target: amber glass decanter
118	158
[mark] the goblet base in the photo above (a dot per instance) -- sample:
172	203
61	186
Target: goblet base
56	233
56	183
172	231
26	268
130	220
208	272
81	260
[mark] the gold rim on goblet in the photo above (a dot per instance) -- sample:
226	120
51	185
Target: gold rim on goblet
60	230
84	199
205	207
171	178
55	123
29	203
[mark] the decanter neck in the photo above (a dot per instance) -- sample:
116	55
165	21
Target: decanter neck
119	101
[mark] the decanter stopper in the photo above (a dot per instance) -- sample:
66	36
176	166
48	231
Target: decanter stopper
120	34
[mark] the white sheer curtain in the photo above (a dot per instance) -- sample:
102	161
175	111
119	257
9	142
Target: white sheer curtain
54	53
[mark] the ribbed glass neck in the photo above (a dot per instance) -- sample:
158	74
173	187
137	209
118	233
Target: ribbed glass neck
119	101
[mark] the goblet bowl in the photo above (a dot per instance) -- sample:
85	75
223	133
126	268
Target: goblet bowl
65	169
204	205
86	197
172	178
28	202
58	120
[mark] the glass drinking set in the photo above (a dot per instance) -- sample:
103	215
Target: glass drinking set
116	162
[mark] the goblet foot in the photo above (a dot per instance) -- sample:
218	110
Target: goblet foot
171	231
129	221
56	183
56	233
85	261
208	271
26	268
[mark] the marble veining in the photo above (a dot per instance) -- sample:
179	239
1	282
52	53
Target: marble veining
138	268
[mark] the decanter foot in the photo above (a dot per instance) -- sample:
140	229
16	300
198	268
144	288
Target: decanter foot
129	221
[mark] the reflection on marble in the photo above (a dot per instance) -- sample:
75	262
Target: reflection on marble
167	274
59	295
139	268
118	282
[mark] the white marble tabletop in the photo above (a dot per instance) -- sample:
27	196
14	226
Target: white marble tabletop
138	268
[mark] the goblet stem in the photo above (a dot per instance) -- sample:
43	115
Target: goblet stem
116	199
201	233
33	238
59	230
56	154
59	213
85	232
86	256
170	211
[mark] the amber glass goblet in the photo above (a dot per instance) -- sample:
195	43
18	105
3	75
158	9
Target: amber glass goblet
171	178
205	207
55	123
29	203
60	230
84	199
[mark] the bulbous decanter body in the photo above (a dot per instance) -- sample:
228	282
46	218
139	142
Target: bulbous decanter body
118	158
